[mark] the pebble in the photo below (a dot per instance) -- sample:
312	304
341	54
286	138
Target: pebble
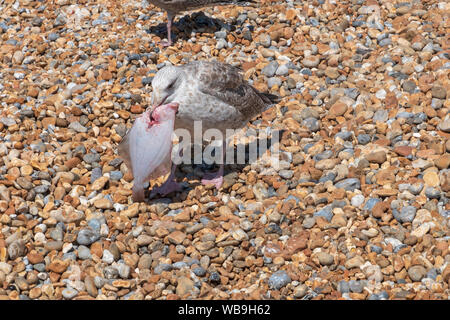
270	69
311	124
300	291
357	200
325	212
184	286
311	61
432	193
356	286
406	214
343	286
99	282
364	139
199	271
349	184
87	236
354	262
107	257
309	222
214	277
84	253
90	286
416	273
325	259
444	125
124	270
278	280
69	293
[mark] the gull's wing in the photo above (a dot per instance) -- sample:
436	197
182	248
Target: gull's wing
224	82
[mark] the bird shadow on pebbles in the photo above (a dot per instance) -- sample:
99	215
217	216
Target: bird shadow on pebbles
188	25
194	173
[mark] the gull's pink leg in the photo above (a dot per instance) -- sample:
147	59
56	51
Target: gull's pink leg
215	178
168	43
170	185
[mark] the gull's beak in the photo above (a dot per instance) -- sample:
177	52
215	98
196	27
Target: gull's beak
154	97
157	99
174	106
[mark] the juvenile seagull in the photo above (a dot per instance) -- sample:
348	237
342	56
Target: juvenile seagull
212	92
173	7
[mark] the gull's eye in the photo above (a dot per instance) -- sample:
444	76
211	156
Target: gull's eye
171	85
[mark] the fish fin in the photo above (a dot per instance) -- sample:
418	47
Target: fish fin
124	150
163	168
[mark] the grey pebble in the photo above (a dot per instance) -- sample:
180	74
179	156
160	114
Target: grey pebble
311	124
273	81
99	282
110	272
95	174
279	279
84	252
364	139
349	184
179	265
124	270
406	214
356	286
309	222
116	175
91	158
199	271
53	36
77	127
87	236
214	277
69	293
270	69
43	188
286	174
343	286
324	212
432	193
162	267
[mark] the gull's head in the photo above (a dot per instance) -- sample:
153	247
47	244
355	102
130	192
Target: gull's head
165	83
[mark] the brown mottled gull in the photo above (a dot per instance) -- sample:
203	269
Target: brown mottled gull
173	7
212	92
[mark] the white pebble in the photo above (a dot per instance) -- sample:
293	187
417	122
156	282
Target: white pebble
39	237
104	230
107	256
381	94
19	75
358	200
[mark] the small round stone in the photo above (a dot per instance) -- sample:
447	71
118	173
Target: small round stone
199	271
87	236
357	200
214	277
69	293
416	273
325	258
278	280
406	214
